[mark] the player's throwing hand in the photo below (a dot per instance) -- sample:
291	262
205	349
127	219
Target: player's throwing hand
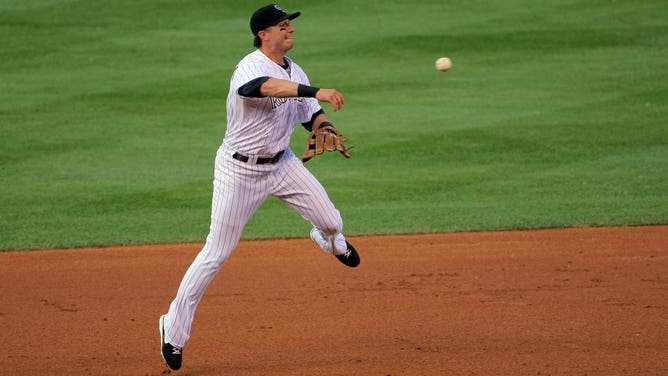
332	96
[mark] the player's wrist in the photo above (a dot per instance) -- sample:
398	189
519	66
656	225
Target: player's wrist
307	91
325	124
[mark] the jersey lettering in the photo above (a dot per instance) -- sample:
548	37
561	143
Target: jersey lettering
277	102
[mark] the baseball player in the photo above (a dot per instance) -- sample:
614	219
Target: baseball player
269	94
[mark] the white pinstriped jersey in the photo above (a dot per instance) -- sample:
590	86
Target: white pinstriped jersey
263	126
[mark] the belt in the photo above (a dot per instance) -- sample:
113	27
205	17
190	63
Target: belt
259	160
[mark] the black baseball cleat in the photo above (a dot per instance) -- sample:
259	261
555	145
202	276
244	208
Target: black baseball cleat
351	257
171	354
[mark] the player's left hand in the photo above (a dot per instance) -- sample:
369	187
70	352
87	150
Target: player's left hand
325	138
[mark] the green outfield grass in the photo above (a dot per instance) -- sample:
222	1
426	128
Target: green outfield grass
555	114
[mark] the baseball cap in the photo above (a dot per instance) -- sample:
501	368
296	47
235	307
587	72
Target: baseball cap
268	16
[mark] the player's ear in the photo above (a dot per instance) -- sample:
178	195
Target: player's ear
263	34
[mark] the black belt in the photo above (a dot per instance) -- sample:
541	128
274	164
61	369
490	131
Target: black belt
261	160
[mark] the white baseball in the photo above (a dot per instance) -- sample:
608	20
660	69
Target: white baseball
443	64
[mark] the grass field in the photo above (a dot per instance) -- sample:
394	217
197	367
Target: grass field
553	115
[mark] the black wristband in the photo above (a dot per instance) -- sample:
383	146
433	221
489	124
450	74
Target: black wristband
325	124
306	91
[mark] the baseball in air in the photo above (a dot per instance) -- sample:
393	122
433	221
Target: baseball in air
443	64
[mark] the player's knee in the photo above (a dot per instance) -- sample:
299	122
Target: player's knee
217	250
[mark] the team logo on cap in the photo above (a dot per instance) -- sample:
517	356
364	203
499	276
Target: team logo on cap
279	8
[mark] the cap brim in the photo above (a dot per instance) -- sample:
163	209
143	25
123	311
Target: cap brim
290	17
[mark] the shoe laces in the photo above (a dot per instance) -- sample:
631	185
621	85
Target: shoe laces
176	351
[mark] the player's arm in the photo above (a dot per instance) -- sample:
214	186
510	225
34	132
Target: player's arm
319	119
278	88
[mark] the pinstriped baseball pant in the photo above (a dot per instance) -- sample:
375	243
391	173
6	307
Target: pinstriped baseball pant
239	190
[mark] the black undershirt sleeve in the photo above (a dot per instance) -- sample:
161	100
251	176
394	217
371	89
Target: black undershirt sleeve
252	88
309	125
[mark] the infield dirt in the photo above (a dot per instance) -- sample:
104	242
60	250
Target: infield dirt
580	301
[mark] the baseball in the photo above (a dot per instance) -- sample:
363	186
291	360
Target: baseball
443	64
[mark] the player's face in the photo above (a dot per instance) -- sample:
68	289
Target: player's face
281	35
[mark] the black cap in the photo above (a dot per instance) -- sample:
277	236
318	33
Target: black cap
269	16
